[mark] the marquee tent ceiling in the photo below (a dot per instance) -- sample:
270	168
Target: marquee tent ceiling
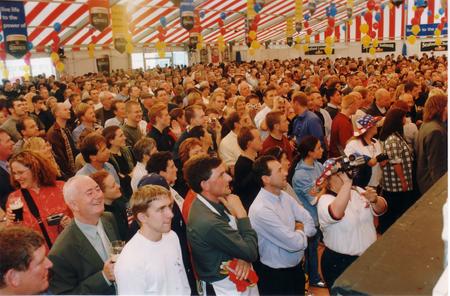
145	17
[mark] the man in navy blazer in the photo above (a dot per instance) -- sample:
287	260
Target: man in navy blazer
80	255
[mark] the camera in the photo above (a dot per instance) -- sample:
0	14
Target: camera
382	157
54	219
348	164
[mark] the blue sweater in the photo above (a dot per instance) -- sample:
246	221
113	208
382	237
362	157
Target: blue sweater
303	180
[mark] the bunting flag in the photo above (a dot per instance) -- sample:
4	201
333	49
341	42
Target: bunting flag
99	14
120	27
14	28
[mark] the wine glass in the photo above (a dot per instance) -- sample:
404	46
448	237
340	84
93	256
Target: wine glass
116	249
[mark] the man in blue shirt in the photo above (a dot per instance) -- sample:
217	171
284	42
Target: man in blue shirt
283	228
305	123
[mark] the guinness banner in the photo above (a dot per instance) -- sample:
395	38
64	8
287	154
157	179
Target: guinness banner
119	27
99	13
382	47
431	46
14	28
103	65
316	50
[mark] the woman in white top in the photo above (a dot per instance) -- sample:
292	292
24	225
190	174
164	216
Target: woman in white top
346	219
365	144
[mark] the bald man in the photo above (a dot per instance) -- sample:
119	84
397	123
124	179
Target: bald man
60	137
381	104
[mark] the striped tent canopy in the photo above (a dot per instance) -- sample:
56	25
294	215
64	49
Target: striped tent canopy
145	15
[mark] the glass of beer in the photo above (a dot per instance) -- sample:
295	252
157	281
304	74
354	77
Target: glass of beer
16	206
116	249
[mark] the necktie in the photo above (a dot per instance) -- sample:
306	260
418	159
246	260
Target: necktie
69	151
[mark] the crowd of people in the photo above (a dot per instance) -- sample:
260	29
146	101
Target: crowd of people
221	179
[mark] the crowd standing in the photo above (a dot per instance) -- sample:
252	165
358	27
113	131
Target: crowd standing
221	179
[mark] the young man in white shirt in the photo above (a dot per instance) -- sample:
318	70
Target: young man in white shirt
151	262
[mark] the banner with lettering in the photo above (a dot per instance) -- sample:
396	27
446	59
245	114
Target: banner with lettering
119	27
14	28
381	47
432	46
99	14
317	50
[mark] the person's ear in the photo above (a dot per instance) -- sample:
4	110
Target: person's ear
265	180
204	185
12	278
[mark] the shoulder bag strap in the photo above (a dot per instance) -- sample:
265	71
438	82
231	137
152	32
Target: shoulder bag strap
34	210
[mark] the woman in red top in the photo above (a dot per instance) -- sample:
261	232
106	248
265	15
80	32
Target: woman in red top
34	173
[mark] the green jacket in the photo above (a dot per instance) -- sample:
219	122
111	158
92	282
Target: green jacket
77	267
213	241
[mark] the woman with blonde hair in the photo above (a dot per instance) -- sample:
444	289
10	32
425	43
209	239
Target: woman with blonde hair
431	145
40	145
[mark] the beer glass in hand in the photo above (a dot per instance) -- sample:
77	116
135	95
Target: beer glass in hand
116	249
16	207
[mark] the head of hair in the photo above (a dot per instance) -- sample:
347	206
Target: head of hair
300	98
410	85
186	147
273	118
41	168
176	113
393	123
434	107
275	151
261	167
114	105
72	97
232	119
17	245
158	162
110	134
269	88
10	102
89	145
199	169
156	111
245	136
307	144
362	90
143	147
20	125
401	105
131	104
141	199
330	92
36	99
99	178
197	132
189	113
82	108
347	101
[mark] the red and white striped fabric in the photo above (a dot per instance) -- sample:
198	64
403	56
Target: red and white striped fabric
145	15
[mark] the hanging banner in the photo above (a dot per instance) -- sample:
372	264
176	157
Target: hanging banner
426	30
14	28
99	14
382	47
432	46
187	14
316	50
103	65
119	27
